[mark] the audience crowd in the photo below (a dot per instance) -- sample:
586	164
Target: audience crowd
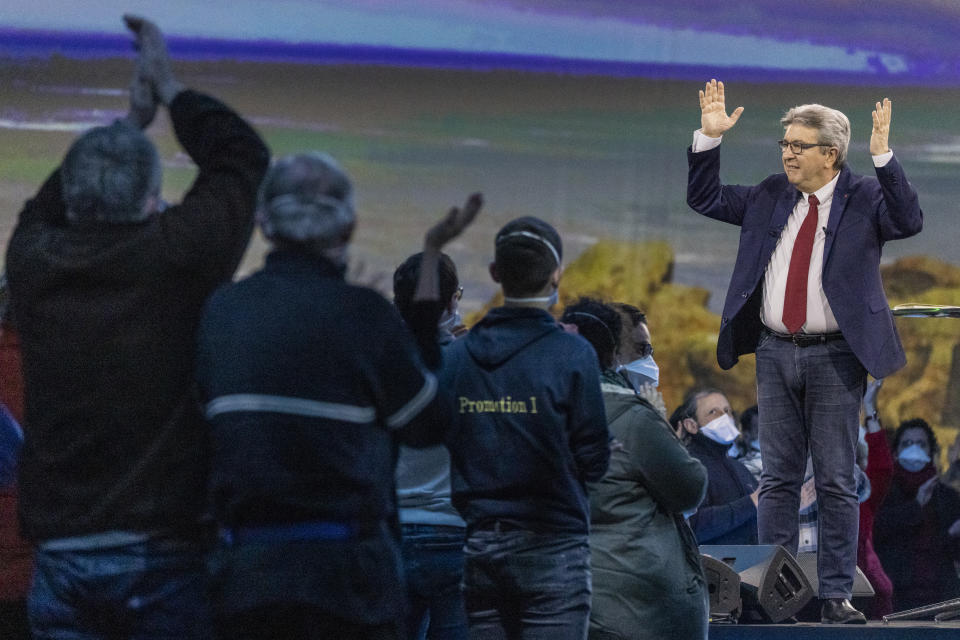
291	456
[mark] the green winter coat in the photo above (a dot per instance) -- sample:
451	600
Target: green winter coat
647	578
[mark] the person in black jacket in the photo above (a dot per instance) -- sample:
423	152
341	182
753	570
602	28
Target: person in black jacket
527	431
728	514
916	532
648	581
309	384
107	288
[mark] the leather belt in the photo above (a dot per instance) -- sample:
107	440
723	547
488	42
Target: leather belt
805	339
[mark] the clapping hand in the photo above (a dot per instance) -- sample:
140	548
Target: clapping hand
651	394
870	397
714	121
925	492
453	224
881	128
954	530
143	102
153	60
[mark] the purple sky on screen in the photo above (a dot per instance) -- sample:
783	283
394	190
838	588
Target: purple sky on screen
622	36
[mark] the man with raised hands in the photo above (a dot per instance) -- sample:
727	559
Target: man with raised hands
806	297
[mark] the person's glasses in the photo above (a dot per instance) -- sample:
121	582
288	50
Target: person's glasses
797	148
643	349
458	294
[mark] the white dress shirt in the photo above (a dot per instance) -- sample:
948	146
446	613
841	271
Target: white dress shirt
820	318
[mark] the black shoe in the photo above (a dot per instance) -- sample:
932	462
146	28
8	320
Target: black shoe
840	611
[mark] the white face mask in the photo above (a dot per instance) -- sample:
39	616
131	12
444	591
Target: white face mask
449	320
641	372
721	429
555	296
551	300
913	458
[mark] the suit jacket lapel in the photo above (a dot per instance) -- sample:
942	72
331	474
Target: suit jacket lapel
782	211
841	196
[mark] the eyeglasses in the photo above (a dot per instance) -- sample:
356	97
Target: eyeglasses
797	148
643	349
458	294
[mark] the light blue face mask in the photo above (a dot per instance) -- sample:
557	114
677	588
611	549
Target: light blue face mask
641	372
913	458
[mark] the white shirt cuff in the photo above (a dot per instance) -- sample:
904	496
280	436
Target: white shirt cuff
704	143
882	159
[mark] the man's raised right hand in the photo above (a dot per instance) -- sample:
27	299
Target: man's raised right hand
714	121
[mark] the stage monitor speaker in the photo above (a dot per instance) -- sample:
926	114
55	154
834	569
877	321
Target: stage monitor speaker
773	587
863	592
724	587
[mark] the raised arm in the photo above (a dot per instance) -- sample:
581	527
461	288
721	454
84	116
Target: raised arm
143	101
900	215
451	226
714	121
427	306
209	230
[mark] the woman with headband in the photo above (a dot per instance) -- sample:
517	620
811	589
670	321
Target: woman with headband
647	577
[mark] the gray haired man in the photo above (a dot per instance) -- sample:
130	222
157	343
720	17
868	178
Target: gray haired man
107	289
309	384
806	297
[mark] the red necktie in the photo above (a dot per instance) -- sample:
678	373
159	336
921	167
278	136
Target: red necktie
795	298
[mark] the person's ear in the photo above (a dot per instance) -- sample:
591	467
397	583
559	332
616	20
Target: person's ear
690	426
555	277
494	273
831	159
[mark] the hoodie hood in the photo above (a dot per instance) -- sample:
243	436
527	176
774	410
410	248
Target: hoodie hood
504	331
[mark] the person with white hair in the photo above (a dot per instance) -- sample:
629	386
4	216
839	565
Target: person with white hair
107	284
309	385
807	298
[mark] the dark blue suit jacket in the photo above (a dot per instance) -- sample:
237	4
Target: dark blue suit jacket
865	213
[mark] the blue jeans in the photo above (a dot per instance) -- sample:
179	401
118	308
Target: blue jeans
433	568
154	589
521	584
809	398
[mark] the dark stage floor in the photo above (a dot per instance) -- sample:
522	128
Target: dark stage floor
812	631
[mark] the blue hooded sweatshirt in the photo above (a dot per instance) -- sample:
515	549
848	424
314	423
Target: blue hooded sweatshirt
527	422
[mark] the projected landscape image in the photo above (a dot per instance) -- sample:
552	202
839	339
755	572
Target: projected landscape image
578	112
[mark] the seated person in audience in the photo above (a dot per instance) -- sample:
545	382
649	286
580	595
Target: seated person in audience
879	470
728	515
916	529
647	577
